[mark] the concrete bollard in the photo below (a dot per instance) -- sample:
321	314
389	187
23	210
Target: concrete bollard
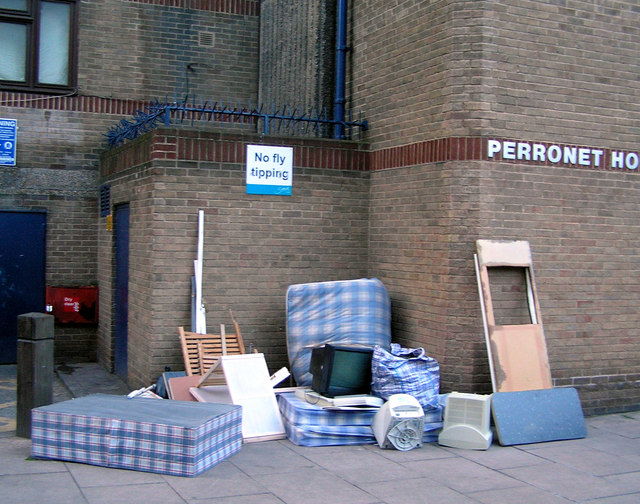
34	368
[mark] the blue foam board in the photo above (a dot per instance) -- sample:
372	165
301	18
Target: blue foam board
537	416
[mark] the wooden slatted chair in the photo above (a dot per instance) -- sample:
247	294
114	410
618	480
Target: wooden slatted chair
201	351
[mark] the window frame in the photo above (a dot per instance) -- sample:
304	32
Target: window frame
31	19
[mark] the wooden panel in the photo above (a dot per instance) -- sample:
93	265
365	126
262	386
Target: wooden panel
520	358
179	387
504	253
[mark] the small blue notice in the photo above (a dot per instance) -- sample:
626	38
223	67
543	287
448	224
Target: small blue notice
8	140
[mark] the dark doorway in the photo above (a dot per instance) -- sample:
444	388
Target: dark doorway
22	274
121	296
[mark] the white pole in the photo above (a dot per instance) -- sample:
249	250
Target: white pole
201	323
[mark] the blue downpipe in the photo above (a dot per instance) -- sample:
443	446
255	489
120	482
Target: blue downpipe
341	64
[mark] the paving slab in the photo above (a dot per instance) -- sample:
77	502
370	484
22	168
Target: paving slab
314	486
270	457
223	480
360	464
126	494
525	494
580	456
52	488
15	459
87	476
498	457
90	378
414	491
619	499
564	481
462	475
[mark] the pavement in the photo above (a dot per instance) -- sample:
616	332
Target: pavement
603	468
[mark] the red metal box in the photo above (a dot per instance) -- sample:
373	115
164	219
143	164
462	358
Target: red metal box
73	305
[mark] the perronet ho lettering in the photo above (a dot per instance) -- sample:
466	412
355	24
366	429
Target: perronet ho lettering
564	154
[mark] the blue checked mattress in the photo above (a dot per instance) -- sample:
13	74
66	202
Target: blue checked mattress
307	424
179	438
345	312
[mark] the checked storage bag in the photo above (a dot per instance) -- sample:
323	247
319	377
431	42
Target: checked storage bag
406	371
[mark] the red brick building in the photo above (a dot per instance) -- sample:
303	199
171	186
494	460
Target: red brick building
502	120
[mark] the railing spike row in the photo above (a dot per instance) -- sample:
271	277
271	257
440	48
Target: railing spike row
286	118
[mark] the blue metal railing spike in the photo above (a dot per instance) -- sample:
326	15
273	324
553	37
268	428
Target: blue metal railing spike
291	120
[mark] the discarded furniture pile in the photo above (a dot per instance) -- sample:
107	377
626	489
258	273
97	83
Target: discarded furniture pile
353	385
336	333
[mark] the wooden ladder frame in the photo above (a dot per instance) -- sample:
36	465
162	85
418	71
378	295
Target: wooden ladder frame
518	357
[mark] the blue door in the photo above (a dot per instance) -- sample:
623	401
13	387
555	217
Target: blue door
121	295
22	274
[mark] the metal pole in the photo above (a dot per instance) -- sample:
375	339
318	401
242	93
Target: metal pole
341	64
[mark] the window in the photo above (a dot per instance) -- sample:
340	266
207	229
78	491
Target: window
36	45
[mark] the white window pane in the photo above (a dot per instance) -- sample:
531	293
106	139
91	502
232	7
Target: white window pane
13	4
13	52
53	57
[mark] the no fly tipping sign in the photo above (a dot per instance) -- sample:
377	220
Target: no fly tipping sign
8	134
269	170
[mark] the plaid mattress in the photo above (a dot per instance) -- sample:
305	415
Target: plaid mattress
346	312
310	425
170	437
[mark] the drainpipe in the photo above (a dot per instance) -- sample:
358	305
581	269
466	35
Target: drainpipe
341	58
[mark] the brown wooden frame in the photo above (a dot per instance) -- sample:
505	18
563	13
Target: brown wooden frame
201	351
517	353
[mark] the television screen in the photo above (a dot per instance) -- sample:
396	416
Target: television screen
341	370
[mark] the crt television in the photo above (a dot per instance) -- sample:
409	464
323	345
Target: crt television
341	370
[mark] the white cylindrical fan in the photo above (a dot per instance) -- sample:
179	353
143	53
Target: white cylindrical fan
399	423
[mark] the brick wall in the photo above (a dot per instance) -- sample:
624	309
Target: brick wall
69	262
561	71
168	50
436	79
255	245
549	71
297	47
582	225
54	173
421	246
129	52
416	68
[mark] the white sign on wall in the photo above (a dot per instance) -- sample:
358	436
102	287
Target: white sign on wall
269	170
8	141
